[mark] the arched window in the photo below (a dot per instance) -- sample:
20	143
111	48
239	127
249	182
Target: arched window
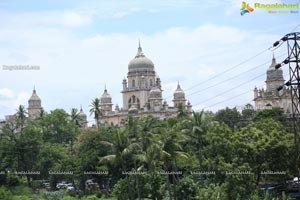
133	83
151	82
133	100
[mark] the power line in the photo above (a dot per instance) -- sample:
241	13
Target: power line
295	27
229	90
228	99
225	71
212	105
235	66
231	78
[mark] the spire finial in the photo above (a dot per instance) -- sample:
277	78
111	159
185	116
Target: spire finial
34	91
140	51
178	85
80	107
273	60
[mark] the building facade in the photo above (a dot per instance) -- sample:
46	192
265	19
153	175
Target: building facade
34	105
270	97
142	94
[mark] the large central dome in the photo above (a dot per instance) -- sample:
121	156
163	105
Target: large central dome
140	63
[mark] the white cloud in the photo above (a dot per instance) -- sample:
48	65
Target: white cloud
75	19
9	105
77	66
205	71
21	99
5	92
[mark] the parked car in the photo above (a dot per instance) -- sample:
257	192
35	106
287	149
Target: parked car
64	185
47	186
91	185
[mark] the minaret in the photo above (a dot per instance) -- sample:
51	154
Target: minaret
124	83
106	101
255	92
34	105
155	99
82	118
274	77
179	96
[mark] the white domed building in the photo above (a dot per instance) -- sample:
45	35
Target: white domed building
269	97
142	94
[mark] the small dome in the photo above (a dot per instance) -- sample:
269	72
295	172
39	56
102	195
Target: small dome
105	98
133	109
81	113
179	93
34	96
155	92
140	63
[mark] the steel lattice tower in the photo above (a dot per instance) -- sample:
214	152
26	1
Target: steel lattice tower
293	83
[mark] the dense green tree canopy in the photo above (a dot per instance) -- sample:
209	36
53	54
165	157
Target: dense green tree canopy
202	156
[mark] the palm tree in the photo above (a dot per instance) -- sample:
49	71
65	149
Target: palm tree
181	110
197	132
153	156
21	116
123	149
75	115
96	110
42	113
172	151
146	131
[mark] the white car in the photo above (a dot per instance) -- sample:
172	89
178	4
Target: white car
70	188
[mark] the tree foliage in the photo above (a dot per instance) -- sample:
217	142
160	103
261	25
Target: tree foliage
150	158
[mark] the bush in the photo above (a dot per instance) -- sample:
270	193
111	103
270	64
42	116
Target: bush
21	191
23	198
5	194
56	195
186	188
69	198
93	197
12	180
211	192
120	190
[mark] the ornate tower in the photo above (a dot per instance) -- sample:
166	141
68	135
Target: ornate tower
274	78
141	78
82	118
105	101
155	99
270	97
34	105
179	96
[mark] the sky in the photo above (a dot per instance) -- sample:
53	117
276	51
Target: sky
217	55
